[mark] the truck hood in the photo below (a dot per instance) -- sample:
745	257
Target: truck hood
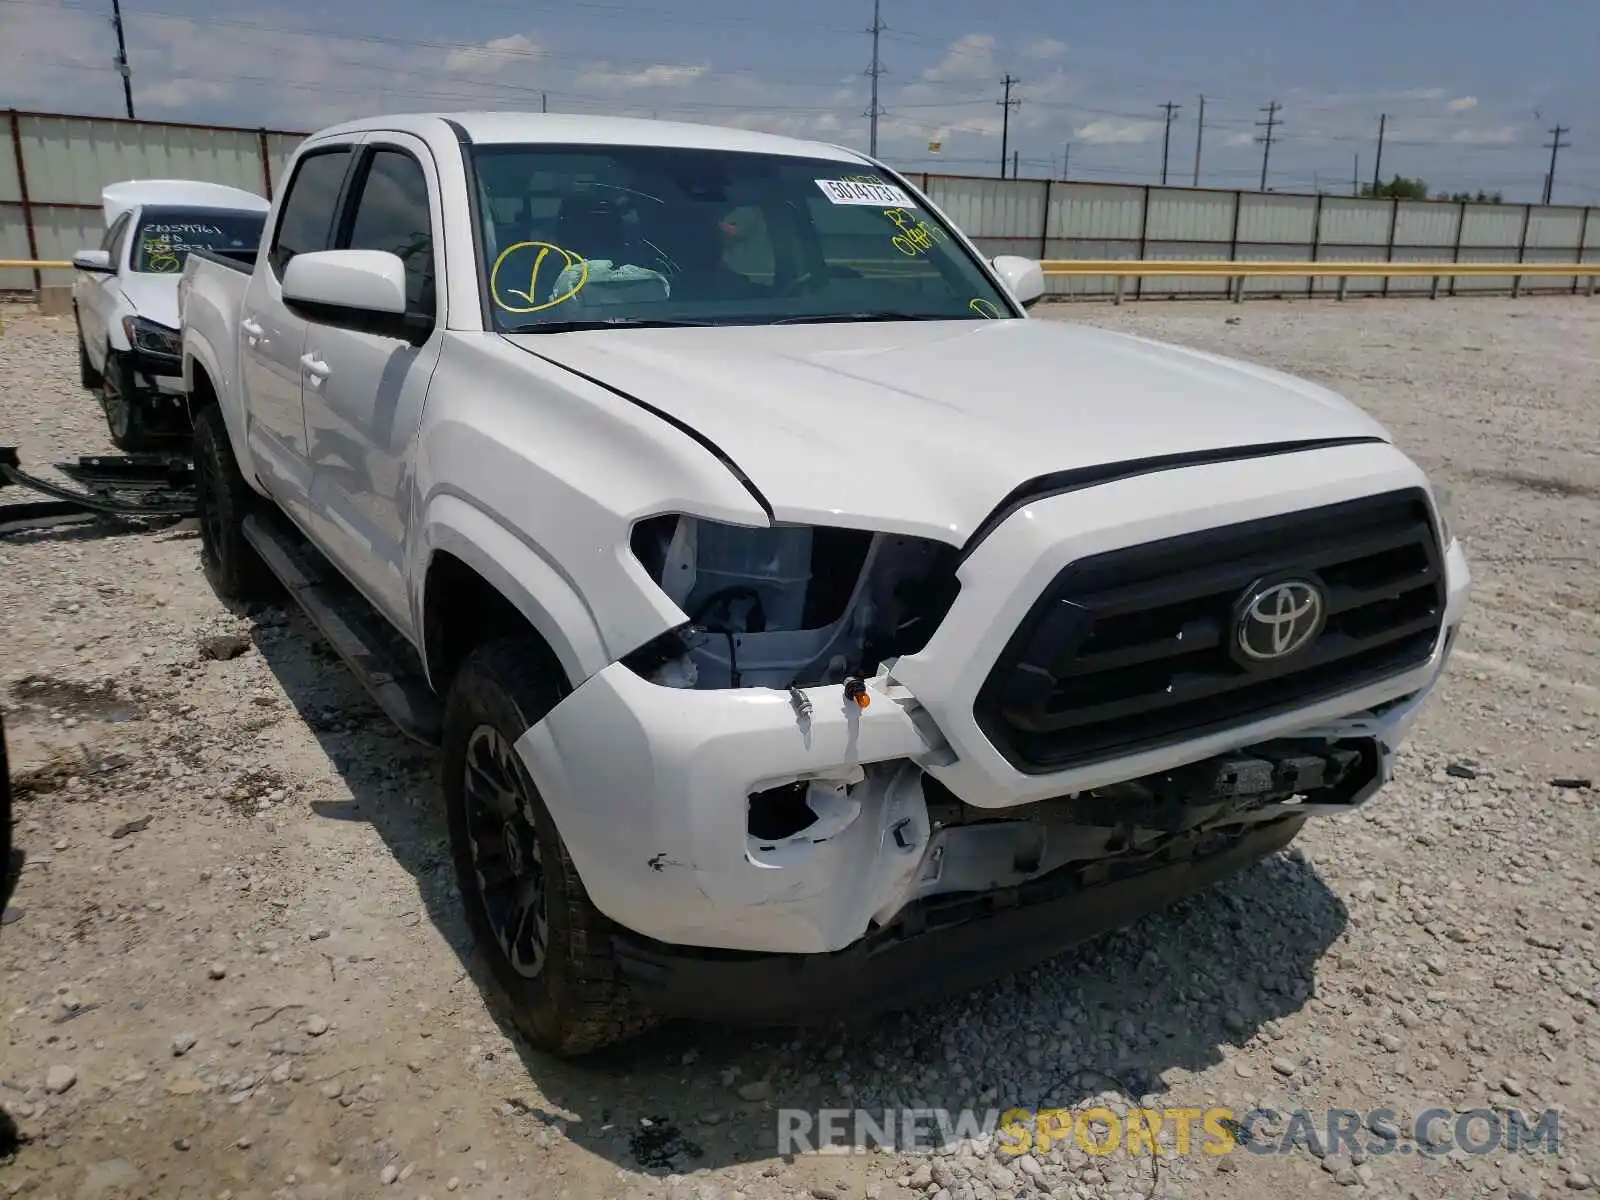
153	297
925	427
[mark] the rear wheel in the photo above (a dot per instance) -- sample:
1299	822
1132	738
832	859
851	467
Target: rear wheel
127	424
547	947
223	500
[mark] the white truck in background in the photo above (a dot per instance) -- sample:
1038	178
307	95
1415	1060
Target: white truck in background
125	296
806	628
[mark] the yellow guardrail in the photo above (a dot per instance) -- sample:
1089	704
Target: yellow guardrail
33	264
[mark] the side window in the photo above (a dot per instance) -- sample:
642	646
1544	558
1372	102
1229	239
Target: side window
116	235
306	221
392	214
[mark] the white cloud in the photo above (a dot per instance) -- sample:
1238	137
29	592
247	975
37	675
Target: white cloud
969	57
661	75
1046	48
1115	131
1239	139
1488	135
495	55
1462	104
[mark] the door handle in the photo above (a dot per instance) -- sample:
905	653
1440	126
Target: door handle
315	367
252	331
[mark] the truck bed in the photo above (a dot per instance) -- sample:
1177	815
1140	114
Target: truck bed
235	260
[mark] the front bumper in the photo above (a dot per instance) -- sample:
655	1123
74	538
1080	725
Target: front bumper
650	785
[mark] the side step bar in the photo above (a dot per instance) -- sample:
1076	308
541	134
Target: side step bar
386	666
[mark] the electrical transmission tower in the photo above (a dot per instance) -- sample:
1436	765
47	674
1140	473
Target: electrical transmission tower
1006	105
1265	139
1166	137
1554	145
876	69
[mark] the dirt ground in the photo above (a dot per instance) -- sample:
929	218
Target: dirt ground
234	963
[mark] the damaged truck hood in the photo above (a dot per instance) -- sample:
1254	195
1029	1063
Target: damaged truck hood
925	427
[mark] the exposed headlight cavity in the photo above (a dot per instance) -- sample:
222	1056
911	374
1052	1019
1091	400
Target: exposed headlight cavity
149	338
788	605
1444	505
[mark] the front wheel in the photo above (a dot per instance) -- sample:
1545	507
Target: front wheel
547	947
128	426
223	500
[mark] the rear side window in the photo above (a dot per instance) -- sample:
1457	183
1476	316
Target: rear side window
392	214
306	222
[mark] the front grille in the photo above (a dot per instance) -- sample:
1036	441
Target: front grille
1136	648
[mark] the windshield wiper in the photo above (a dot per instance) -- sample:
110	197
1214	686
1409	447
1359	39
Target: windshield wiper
605	323
833	318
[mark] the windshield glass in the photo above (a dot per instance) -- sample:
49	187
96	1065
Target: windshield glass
587	235
166	234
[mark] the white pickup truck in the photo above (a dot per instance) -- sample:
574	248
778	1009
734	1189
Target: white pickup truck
806	628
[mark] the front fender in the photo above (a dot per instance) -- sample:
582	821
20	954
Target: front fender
519	573
200	354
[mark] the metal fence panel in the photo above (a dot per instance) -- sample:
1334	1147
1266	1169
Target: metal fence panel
69	159
1086	285
1356	285
1420	283
1283	220
1552	228
1351	222
1187	215
280	148
1591	231
1096	211
1491	225
1156	286
14	244
61	233
1488	254
1426	223
992	207
10	185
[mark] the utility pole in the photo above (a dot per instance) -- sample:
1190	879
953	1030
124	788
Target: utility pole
1355	176
1266	139
1006	105
544	102
122	56
1066	157
1555	143
1199	130
1014	155
1166	138
874	111
1377	163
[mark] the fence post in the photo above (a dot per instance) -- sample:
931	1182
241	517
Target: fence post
266	163
1233	241
1044	225
22	197
1461	225
1583	236
1388	254
1522	249
1316	247
1144	241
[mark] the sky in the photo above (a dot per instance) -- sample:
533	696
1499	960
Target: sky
1471	88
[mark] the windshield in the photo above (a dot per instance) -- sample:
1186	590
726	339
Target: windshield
601	235
166	235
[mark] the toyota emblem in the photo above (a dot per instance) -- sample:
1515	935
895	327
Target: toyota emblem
1280	619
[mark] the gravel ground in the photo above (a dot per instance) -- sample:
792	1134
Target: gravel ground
236	965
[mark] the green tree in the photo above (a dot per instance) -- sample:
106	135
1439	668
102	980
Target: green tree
1398	188
1481	197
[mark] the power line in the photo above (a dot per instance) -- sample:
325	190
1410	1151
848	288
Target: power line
1555	144
875	110
1199	130
122	56
1266	139
1166	138
1006	105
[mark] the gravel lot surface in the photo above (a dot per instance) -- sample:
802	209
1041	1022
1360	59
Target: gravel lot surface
236	965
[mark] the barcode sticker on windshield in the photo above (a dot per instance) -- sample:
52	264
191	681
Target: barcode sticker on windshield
852	191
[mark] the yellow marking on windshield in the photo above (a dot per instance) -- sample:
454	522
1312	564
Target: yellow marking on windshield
985	308
569	259
158	256
916	235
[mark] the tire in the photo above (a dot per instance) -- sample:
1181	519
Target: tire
87	375
223	500
566	995
126	424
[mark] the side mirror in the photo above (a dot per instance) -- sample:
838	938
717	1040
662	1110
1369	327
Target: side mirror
360	290
97	261
1022	276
